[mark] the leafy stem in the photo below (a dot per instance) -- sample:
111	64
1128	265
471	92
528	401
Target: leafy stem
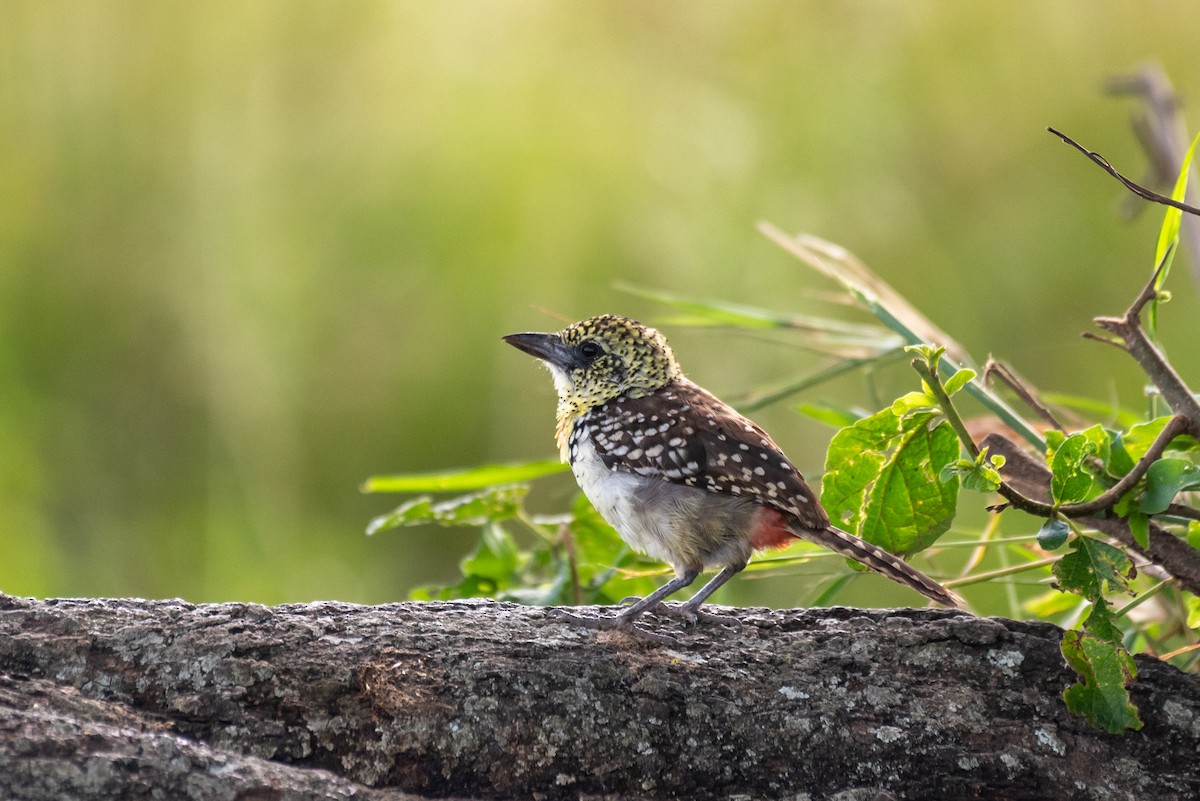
927	367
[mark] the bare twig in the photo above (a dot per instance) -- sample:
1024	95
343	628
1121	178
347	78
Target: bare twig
994	368
1103	340
1136	188
1160	128
1158	123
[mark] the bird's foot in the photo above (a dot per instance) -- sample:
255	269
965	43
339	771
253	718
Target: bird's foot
621	623
692	615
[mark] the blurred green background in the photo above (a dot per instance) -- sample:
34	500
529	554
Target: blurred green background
253	253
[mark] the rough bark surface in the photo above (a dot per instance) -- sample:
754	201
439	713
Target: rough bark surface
108	699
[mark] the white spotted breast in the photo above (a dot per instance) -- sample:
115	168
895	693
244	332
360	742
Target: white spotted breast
684	435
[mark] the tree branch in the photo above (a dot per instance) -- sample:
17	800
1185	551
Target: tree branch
1029	478
123	698
1176	426
1150	359
1179	510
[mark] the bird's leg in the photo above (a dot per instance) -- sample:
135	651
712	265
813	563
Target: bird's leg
690	610
625	621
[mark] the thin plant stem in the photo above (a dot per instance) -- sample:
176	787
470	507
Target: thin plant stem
979	578
1141	599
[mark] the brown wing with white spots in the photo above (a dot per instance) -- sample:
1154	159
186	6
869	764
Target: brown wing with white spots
652	436
682	433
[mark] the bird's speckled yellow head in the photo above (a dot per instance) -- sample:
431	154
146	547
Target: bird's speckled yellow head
598	359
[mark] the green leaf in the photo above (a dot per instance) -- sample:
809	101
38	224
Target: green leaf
1168	235
470	478
913	402
980	474
1193	534
1139	526
1071	479
852	463
1106	668
712	312
882	480
1138	439
1100	623
493	569
1092	568
495	558
1119	461
496	503
959	380
1086	463
1165	479
929	354
1053	534
909	507
1053	603
1193	612
825	333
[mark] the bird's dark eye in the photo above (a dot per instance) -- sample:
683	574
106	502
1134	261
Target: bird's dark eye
590	350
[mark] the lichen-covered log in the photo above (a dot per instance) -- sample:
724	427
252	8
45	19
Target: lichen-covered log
57	744
486	700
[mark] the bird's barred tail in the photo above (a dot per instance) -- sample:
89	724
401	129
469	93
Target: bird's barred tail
883	562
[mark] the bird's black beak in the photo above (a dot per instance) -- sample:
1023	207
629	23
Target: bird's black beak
547	347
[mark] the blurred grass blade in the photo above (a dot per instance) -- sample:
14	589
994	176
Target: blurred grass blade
471	478
871	291
1100	410
833	416
832	589
699	312
1168	235
711	312
891	309
765	397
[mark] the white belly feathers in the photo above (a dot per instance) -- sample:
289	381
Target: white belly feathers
612	492
685	527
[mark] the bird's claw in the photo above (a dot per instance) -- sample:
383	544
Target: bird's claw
617	623
693	615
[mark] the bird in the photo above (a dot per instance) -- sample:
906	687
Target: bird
683	477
